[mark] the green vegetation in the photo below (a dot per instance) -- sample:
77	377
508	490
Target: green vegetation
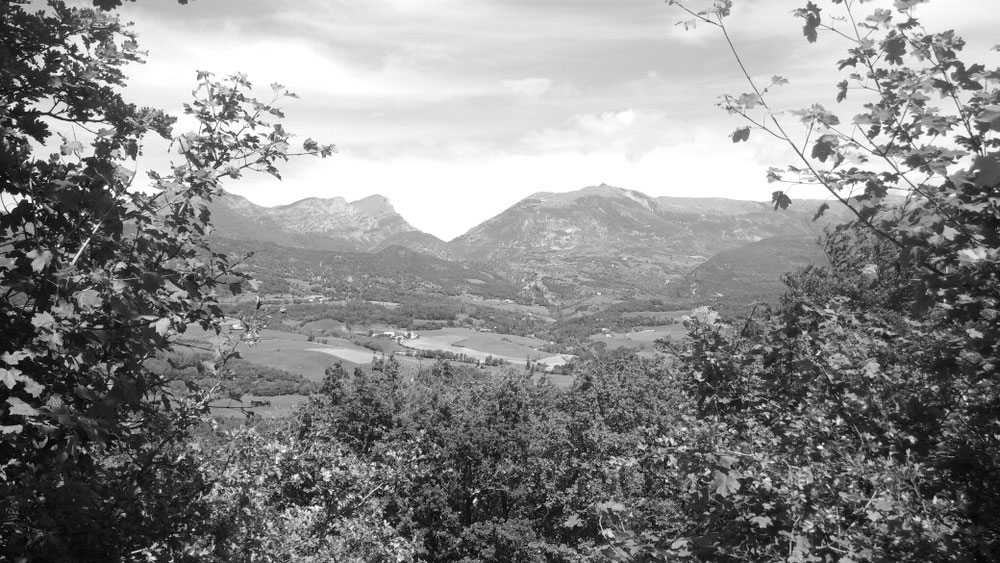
858	419
239	377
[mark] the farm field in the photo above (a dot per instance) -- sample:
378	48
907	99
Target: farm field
536	310
479	345
643	339
323	324
292	352
354	355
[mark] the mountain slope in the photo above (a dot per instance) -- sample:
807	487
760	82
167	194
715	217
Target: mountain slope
604	238
389	272
735	279
321	224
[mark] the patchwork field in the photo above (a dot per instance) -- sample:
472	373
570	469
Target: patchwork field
479	345
642	339
294	353
353	355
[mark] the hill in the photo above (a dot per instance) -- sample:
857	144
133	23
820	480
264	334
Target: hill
322	224
735	279
381	275
604	239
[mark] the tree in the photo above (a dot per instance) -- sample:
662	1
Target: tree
97	275
891	399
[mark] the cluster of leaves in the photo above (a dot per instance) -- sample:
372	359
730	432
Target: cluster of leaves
96	276
864	409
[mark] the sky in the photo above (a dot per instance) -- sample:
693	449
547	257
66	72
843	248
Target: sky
457	109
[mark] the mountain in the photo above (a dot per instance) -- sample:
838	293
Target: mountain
608	239
735	279
600	241
380	275
333	224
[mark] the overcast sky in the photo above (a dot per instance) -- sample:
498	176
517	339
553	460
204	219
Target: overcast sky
457	109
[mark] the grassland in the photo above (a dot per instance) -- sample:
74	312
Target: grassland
479	345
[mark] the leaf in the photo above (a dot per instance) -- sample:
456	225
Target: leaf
42	320
780	199
40	259
573	521
811	13
741	134
20	408
904	5
12	429
151	281
727	461
71	147
841	91
9	377
89	299
987	170
822	209
990	116
825	147
972	255
761	521
894	47
206	367
726	484
162	326
32	387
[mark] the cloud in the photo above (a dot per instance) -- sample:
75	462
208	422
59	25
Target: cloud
531	88
631	133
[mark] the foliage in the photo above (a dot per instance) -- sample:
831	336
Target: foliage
864	409
96	276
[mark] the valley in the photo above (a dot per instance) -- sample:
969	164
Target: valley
551	281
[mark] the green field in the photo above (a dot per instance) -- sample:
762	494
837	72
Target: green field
642	339
293	352
281	406
479	345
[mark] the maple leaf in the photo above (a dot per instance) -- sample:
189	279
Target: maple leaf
894	47
9	377
89	299
71	147
780	199
726	484
40	259
741	134
811	13
825	147
20	408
